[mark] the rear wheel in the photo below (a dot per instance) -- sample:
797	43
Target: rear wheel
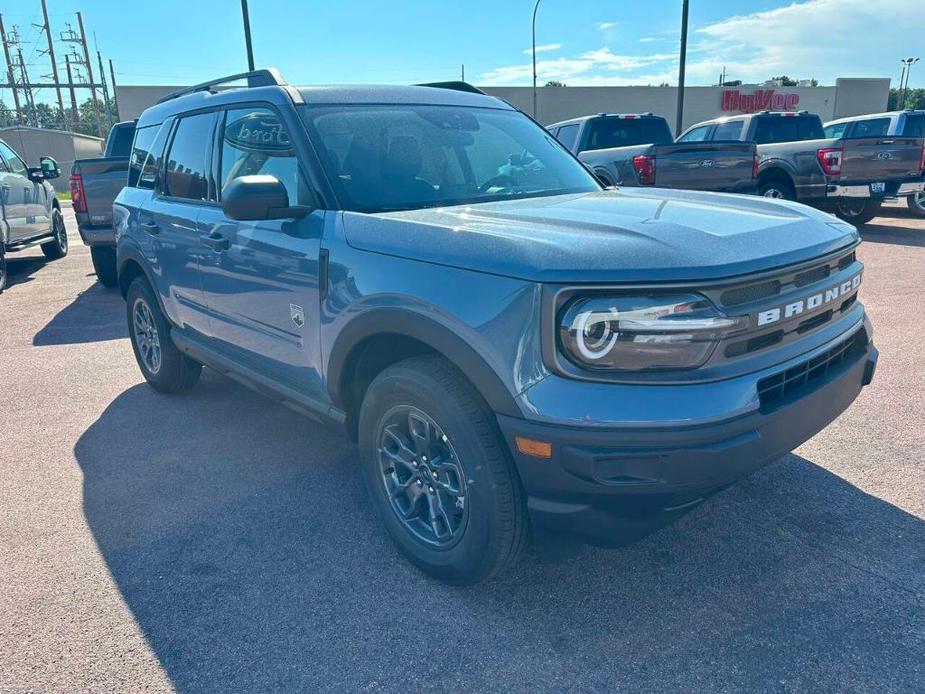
916	204
2	269
857	210
439	473
104	264
57	247
778	188
165	367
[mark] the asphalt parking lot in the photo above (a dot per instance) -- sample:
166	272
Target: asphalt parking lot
215	541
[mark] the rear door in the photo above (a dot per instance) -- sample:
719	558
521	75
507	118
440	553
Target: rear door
260	278
718	166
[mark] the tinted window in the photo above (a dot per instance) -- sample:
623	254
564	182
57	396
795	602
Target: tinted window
254	141
394	157
13	162
731	130
144	138
837	130
622	132
568	135
154	162
120	141
874	127
915	125
787	129
185	172
695	135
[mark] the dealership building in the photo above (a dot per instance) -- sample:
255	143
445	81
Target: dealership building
849	97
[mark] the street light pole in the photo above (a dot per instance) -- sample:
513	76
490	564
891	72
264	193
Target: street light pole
247	36
899	91
683	59
536	6
909	63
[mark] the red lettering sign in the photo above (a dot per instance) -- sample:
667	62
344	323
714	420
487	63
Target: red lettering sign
759	100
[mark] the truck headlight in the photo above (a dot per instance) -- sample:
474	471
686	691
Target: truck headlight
639	333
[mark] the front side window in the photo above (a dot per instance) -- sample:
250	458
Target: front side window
254	141
141	148
398	157
836	130
730	130
873	127
695	135
186	162
15	164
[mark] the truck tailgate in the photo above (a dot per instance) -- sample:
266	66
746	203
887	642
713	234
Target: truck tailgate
102	181
880	159
717	166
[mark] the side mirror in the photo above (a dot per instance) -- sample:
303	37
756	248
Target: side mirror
50	168
253	198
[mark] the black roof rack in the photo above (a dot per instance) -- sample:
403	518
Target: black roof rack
269	77
455	86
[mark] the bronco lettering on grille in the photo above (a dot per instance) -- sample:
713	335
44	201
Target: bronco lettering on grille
808	303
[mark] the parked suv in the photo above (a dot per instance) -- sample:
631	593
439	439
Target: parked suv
908	123
30	214
516	350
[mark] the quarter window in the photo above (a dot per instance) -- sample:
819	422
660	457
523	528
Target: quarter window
185	172
254	141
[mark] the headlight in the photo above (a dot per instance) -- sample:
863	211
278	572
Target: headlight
639	333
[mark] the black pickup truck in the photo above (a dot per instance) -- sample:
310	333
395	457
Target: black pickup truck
849	176
637	149
95	183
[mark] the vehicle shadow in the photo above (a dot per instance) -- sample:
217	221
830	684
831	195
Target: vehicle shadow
240	537
22	269
881	231
97	314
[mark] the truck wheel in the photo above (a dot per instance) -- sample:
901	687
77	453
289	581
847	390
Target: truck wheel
104	264
165	367
57	247
857	211
2	270
777	188
438	472
916	204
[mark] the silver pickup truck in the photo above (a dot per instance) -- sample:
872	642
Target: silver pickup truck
95	183
637	149
849	176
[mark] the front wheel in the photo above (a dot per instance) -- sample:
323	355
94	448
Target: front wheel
857	211
57	247
2	270
438	472
916	204
104	264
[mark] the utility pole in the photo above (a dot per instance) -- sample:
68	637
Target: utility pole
112	80
27	88
9	71
75	112
105	88
536	6
464	72
87	64
247	36
683	59
51	55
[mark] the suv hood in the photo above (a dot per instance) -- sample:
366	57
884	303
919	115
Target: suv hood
626	235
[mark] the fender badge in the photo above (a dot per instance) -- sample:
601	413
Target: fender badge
297	315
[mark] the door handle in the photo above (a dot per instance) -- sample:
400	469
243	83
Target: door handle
151	227
215	241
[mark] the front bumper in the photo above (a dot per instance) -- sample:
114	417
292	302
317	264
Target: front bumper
613	486
891	190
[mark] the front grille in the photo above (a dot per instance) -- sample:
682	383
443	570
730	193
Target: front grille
810	276
779	386
752	292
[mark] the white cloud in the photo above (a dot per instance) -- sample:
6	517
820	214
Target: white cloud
545	48
649	39
603	26
599	66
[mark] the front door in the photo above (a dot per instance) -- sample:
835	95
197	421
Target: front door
15	194
260	279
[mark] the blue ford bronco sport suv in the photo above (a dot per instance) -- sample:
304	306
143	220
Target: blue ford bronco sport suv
517	351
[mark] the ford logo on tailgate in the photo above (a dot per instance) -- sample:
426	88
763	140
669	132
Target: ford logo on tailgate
706	163
884	155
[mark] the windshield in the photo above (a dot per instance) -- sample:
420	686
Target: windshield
401	157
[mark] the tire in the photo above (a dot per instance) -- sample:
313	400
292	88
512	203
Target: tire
916	204
778	188
857	211
104	264
483	528
57	247
3	270
171	371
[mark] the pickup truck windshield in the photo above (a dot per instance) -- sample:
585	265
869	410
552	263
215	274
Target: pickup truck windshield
400	157
605	133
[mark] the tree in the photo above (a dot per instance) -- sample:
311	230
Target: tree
87	114
785	81
915	98
555	83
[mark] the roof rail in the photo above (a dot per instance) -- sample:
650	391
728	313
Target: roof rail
456	86
257	78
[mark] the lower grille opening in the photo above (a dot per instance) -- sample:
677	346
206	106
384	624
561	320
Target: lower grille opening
773	389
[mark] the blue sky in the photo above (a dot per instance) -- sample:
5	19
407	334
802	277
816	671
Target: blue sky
583	42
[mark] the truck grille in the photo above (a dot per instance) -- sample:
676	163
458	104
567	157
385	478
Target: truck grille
773	389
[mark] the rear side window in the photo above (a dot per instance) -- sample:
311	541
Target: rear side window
568	136
695	135
731	130
836	130
874	127
141	148
787	129
254	141
623	132
185	171
915	125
